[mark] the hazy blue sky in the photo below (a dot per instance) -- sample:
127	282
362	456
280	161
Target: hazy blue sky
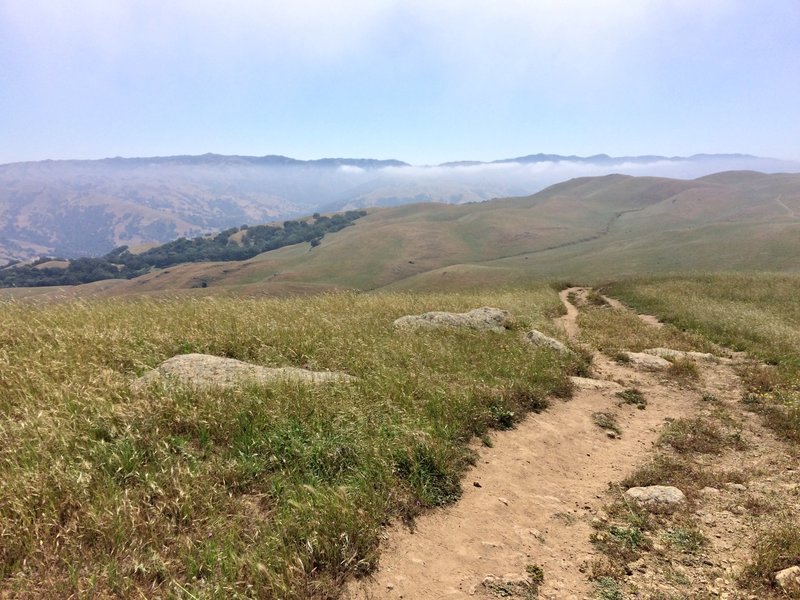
424	81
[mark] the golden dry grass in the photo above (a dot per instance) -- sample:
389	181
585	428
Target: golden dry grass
265	491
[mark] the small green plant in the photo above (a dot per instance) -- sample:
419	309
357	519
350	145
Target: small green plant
595	298
684	369
535	574
629	537
503	417
633	396
777	549
606	421
572	298
607	588
621	358
686	539
697	435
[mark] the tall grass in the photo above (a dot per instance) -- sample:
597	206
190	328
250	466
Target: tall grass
756	313
264	491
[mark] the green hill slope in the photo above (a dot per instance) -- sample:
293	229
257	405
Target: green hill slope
592	228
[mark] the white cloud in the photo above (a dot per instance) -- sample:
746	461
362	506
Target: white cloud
350	169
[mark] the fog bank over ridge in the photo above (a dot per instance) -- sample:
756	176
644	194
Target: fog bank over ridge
87	207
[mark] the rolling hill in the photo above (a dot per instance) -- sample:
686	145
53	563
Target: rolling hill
590	228
85	208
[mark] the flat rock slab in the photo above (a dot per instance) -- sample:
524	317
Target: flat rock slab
204	371
669	353
485	318
586	383
656	496
647	361
537	338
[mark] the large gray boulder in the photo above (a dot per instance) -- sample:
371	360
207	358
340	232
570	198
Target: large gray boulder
485	318
202	371
537	338
656	496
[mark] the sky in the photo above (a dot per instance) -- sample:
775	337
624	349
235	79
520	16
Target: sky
424	81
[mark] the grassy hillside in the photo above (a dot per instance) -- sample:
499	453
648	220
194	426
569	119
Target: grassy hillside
592	229
755	313
267	491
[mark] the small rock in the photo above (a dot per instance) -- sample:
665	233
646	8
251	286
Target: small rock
647	361
476	484
707	519
709	491
735	487
739	510
610	433
390	586
537	338
656	496
681	354
637	565
789	579
586	383
503	500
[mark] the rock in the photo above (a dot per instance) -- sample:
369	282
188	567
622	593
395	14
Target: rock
735	487
678	354
540	340
586	383
204	371
709	491
485	318
789	579
610	433
647	361
656	496
672	354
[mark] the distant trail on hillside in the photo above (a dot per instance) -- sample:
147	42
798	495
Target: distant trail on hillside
602	233
789	210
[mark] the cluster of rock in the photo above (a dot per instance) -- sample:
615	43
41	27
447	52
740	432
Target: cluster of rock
658	359
671	354
203	371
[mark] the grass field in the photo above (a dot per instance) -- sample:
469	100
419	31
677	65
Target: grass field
268	491
755	313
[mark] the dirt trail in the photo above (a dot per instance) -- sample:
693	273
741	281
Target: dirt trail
530	498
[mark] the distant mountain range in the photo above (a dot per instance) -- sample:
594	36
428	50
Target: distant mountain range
77	208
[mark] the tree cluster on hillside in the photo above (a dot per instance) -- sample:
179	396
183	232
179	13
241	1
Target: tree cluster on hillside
121	263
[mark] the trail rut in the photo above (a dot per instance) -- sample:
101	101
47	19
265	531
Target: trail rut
530	499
